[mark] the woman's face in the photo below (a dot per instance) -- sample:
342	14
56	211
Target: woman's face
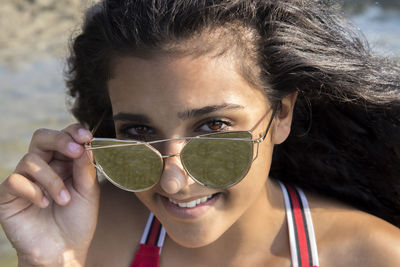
169	97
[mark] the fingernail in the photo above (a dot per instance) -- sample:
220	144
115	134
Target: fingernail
74	147
45	201
64	196
84	133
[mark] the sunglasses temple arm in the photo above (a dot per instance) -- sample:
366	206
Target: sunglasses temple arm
96	127
256	152
269	126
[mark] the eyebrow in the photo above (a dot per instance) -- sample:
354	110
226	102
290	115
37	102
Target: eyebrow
184	115
123	116
188	114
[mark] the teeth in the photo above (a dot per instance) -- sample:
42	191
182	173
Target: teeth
192	203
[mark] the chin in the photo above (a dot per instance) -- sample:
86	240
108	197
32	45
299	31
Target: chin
194	239
195	229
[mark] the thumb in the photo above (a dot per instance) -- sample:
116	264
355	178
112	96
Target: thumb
84	176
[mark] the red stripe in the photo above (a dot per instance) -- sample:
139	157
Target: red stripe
305	260
154	232
146	256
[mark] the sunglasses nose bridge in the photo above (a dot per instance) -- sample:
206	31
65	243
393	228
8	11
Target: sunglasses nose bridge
171	155
170	148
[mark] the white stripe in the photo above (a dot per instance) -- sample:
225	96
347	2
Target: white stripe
147	229
310	228
292	237
161	238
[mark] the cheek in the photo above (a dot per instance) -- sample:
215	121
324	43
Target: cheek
257	176
146	198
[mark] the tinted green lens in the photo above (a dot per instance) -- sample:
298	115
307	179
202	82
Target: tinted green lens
218	163
213	160
133	167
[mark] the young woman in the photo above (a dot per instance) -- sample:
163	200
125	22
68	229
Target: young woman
190	103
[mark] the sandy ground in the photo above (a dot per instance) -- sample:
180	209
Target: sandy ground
31	29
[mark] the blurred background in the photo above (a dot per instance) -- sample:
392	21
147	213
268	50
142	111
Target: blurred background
34	36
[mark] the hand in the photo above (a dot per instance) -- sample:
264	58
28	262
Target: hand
49	205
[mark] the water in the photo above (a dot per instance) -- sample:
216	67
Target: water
32	94
381	28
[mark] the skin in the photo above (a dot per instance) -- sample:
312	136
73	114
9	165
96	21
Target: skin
181	87
248	220
43	228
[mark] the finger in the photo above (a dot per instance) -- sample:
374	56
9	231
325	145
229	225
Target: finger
60	157
78	133
18	186
85	177
34	167
45	142
62	168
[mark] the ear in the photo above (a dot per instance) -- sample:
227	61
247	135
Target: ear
283	119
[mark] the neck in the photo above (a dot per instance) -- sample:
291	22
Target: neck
262	227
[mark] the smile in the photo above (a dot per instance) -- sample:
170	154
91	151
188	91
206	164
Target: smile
191	204
190	209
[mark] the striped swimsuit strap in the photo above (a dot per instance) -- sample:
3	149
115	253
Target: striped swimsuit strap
303	247
148	253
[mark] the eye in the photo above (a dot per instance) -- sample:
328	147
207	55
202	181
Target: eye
214	125
137	132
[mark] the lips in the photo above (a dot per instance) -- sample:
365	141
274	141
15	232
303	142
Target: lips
191	204
190	209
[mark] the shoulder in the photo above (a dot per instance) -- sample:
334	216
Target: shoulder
351	237
122	218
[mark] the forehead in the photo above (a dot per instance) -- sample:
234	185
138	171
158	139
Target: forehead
171	83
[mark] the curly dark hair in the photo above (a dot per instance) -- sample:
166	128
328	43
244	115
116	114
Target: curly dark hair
345	140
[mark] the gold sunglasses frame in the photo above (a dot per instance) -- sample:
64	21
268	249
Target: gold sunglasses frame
148	144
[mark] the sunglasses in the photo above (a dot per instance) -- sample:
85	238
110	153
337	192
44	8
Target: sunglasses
216	160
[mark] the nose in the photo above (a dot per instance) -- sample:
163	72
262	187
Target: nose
174	177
